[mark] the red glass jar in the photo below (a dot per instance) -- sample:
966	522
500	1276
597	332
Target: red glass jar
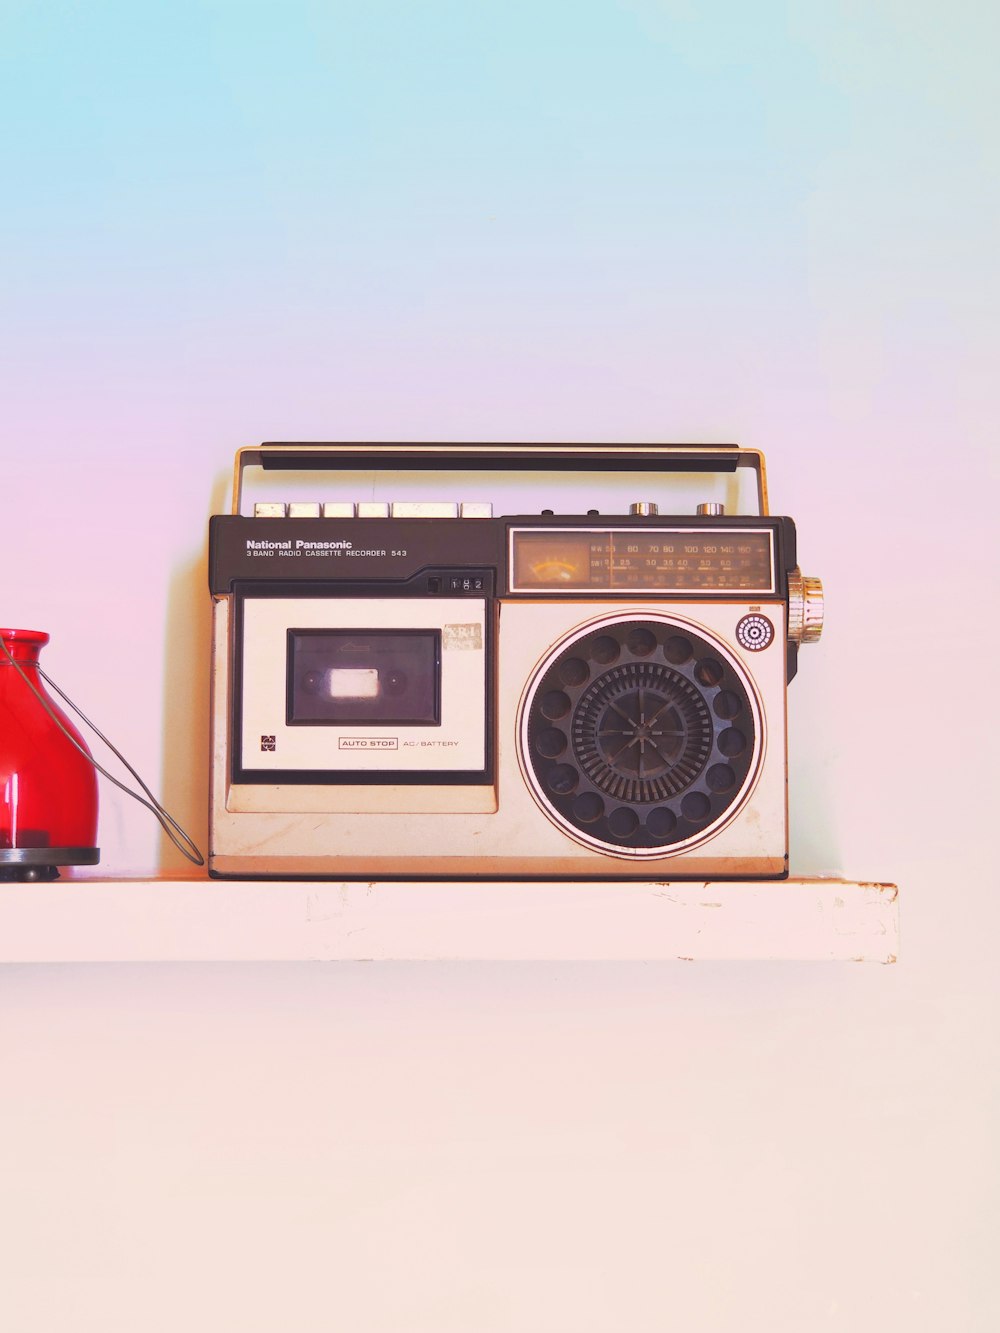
48	788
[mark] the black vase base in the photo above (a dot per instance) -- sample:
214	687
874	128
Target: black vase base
41	864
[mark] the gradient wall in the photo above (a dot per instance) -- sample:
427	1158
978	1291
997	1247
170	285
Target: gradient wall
768	223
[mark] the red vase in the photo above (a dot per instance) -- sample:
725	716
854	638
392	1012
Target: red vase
48	788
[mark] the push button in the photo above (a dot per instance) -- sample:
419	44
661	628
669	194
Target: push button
424	509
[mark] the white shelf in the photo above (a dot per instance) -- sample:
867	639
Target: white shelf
170	920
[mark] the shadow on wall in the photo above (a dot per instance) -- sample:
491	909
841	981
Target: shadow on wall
816	731
186	694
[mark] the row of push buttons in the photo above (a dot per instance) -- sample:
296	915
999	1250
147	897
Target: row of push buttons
374	509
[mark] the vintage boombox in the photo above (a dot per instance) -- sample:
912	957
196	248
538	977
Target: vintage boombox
408	685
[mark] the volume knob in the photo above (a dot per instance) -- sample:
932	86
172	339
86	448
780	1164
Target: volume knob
805	608
644	508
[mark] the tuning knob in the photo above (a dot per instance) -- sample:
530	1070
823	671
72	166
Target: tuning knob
805	608
644	509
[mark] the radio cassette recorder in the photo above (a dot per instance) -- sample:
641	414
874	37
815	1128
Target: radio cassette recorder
422	688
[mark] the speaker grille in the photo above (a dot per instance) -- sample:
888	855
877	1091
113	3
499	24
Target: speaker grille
639	735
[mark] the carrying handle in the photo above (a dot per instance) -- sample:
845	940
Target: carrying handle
393	457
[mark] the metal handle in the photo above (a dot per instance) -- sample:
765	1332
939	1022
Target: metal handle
351	455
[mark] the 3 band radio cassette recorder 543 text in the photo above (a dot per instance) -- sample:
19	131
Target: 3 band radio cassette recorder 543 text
424	688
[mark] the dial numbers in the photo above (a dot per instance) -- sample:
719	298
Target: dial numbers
644	560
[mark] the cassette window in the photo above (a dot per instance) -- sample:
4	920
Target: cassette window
345	677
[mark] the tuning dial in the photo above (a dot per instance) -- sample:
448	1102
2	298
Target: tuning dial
644	509
805	608
710	509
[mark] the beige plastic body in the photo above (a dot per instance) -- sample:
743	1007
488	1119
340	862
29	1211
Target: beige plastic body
498	830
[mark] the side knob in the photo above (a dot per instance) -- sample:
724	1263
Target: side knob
805	608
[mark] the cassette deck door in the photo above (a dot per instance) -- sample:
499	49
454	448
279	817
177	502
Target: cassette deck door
361	690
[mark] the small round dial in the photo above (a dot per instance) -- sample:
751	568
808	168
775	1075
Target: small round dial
755	633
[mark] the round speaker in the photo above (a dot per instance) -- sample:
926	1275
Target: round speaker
640	737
